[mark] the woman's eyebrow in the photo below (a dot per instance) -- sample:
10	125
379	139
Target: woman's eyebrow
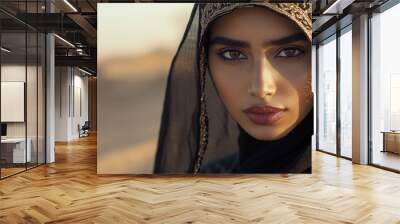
228	42
239	43
287	39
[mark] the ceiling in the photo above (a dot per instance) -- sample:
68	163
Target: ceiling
74	21
332	15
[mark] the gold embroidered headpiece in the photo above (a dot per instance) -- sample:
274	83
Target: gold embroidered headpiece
300	13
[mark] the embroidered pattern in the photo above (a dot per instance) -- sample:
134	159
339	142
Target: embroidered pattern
300	13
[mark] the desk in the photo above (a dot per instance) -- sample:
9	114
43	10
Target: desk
391	141
15	148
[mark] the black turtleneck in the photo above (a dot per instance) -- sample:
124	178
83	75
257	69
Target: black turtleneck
290	154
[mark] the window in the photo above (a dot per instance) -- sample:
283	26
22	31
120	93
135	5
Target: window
22	78
385	89
327	95
346	92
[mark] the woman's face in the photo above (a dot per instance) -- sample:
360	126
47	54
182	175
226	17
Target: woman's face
260	62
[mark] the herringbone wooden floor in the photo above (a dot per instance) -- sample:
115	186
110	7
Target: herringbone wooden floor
69	191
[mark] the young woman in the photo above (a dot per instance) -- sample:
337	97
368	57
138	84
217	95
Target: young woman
239	97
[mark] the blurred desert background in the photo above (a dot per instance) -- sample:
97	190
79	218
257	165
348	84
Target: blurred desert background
136	44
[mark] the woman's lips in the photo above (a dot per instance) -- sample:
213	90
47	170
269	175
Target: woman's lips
264	115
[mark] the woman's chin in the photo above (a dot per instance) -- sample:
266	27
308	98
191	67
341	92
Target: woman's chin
267	133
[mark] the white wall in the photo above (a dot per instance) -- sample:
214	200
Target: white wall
79	117
12	101
33	126
10	73
14	73
69	85
62	81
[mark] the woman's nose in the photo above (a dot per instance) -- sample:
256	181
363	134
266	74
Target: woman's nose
263	83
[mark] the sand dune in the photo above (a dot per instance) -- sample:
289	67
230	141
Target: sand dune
139	67
130	100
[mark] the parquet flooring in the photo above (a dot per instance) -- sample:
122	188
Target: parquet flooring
10	171
70	191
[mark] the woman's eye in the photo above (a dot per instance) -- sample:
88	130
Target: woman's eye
290	52
232	55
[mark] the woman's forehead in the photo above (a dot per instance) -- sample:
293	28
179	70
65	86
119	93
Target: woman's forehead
254	24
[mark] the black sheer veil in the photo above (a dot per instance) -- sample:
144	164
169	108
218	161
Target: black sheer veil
179	133
197	132
177	142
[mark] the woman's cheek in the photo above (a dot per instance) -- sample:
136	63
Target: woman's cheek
230	86
302	83
299	76
226	81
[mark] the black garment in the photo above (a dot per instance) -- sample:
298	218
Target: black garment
290	154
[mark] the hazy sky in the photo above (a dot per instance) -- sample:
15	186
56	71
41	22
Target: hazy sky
130	29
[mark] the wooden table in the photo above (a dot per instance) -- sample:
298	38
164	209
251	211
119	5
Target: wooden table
391	141
13	150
